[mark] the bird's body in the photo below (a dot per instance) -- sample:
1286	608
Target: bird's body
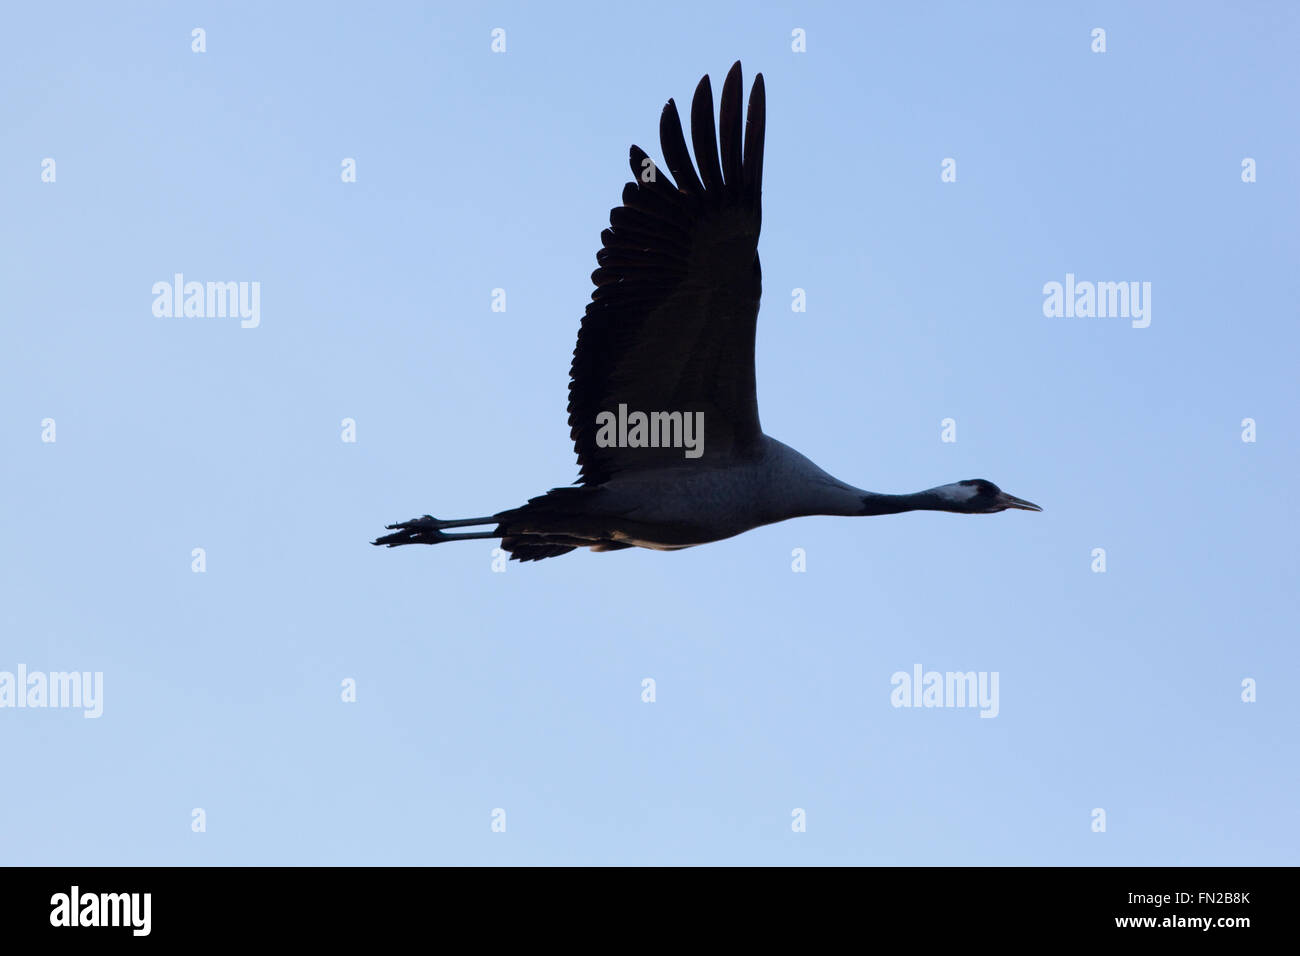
670	508
670	331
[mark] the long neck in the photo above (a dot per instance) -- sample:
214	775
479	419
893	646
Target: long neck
876	504
798	488
834	497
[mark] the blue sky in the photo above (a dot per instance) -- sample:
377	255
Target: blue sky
522	690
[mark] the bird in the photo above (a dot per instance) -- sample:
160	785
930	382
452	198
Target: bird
663	408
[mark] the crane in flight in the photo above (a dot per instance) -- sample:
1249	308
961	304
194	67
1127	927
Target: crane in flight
663	410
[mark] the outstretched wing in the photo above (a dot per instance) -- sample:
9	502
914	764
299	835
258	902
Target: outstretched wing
670	326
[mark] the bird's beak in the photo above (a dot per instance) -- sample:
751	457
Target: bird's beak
1011	501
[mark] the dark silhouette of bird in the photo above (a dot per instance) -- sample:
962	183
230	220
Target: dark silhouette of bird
662	404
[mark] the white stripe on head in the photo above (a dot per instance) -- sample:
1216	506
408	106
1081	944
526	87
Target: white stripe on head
957	492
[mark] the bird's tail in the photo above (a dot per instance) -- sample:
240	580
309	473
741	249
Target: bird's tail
549	525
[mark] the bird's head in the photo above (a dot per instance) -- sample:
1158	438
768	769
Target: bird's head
977	496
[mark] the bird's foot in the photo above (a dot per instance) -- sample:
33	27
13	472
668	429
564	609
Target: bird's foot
425	530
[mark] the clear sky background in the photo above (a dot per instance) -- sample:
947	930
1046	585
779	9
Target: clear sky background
522	690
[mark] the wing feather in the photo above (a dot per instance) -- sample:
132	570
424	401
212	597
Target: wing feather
671	322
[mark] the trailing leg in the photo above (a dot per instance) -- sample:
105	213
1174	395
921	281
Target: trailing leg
429	530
